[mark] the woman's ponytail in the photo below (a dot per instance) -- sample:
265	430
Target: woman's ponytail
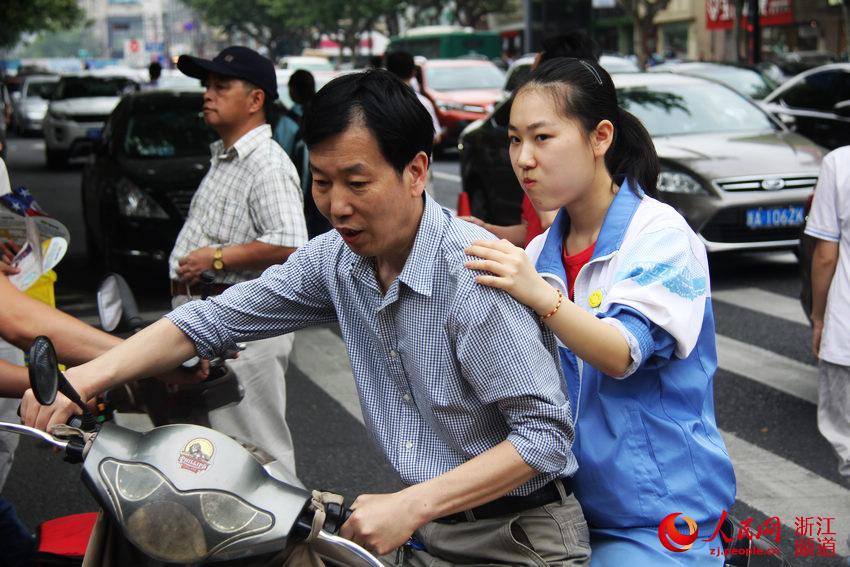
632	155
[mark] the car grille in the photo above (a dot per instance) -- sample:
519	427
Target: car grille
730	225
181	201
767	183
88	117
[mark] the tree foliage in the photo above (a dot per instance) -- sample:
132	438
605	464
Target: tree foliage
30	16
642	13
268	23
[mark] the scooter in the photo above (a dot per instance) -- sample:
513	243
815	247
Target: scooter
184	494
164	404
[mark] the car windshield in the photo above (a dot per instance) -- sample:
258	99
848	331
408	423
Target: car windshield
464	77
40	89
84	87
747	81
670	110
168	128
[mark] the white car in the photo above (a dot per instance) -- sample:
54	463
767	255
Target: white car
30	104
77	112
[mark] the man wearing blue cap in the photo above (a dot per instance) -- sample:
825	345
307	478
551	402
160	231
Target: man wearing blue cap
246	215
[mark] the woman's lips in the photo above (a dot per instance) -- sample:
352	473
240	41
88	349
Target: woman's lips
529	183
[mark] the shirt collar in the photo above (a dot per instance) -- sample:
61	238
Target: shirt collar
611	235
243	146
418	271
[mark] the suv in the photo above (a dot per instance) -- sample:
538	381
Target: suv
77	111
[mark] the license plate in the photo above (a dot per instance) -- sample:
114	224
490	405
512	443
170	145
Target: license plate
772	217
94	133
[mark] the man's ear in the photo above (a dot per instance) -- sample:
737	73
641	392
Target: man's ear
416	173
256	100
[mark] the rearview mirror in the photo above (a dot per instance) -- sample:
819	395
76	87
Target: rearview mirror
43	370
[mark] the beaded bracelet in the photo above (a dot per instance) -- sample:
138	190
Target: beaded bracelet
557	306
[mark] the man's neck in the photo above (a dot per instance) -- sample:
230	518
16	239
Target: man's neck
389	266
231	135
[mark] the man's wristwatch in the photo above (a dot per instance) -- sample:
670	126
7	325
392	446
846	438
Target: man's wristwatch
218	263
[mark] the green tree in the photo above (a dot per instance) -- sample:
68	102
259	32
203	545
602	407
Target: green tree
62	43
471	12
269	23
31	16
642	13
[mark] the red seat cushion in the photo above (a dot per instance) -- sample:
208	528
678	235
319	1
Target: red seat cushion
66	536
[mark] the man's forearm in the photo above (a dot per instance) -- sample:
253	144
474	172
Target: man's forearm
24	318
488	476
14	380
824	261
152	351
254	255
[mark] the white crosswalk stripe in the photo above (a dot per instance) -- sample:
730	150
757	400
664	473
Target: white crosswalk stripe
765	302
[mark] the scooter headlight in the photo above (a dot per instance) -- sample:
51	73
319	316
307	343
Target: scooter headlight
172	525
135	482
226	513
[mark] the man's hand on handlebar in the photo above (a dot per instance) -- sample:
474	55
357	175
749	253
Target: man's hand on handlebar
59	412
382	522
181	376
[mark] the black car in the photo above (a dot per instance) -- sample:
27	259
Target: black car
137	188
817	103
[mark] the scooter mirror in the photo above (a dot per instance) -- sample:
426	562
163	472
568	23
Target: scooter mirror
109	307
43	370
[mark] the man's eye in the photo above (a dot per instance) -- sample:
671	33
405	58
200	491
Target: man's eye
323	183
542	137
358	184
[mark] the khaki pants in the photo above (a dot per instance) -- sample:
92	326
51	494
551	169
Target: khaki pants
552	535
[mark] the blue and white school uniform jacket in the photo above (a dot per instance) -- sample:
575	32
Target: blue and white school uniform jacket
646	442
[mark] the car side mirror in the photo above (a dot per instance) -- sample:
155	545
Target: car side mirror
842	108
16	96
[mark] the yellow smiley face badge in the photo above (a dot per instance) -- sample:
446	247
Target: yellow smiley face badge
595	299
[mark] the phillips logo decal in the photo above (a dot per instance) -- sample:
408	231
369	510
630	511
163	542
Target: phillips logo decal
197	455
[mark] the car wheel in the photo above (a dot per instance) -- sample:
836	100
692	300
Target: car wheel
55	158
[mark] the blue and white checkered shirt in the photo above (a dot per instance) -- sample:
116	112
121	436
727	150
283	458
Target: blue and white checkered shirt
445	368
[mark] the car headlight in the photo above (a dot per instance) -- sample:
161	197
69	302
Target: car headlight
34	114
133	202
679	182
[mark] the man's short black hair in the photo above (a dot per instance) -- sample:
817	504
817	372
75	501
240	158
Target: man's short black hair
383	104
400	64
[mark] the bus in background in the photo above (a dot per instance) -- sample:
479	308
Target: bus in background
448	42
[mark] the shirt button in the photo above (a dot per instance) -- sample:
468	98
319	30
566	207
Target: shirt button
408	445
393	354
406	397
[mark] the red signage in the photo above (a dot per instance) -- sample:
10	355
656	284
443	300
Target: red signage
134	45
720	14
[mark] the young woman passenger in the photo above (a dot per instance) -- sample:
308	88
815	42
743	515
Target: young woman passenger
623	283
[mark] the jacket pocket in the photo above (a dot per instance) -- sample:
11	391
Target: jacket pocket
650	482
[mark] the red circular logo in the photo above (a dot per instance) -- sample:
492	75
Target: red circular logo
672	538
134	45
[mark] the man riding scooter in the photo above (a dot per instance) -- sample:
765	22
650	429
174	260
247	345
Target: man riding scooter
458	384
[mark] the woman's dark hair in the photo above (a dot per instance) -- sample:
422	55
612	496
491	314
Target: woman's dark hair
302	86
382	103
584	91
574	43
